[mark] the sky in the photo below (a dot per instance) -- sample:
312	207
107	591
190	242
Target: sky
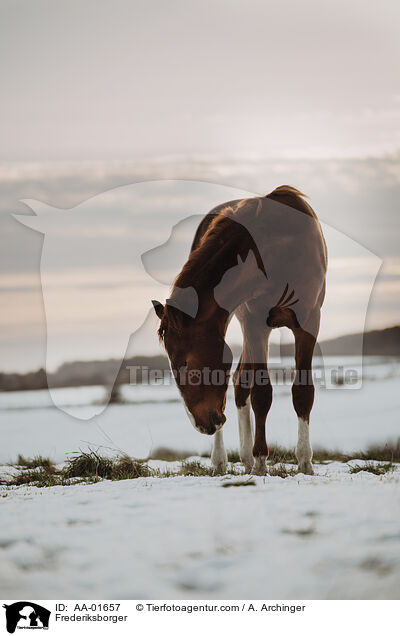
132	79
250	95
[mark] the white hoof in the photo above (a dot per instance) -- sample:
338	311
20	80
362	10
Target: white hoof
303	449
220	468
260	467
248	462
306	468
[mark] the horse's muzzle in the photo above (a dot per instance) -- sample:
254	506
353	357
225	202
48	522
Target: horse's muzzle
215	423
217	420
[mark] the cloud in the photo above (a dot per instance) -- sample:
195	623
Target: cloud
357	197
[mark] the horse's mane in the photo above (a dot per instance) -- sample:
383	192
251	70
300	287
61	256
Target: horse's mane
223	240
218	250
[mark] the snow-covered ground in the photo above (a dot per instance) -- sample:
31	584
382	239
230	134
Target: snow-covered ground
333	535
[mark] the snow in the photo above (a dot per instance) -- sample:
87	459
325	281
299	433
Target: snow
332	535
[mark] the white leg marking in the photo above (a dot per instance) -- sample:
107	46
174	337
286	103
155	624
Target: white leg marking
246	436
219	457
303	449
260	467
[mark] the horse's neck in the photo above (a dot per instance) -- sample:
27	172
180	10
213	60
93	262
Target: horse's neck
223	279
237	286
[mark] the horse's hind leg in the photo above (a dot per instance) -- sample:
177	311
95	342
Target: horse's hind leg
303	396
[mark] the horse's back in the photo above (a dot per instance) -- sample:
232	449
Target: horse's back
286	232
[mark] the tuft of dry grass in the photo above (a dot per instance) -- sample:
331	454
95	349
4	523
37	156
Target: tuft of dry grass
41	478
280	470
39	471
322	455
233	457
280	455
389	452
169	455
92	464
196	469
87	467
370	467
125	467
36	462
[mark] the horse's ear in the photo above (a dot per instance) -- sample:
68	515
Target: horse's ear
158	308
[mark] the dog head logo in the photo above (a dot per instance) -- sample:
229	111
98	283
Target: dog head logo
26	615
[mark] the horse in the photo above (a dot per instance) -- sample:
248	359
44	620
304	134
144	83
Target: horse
264	260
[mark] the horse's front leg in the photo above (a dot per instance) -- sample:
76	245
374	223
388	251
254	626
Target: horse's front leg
219	457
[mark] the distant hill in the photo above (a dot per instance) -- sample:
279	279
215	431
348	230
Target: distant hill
103	371
382	342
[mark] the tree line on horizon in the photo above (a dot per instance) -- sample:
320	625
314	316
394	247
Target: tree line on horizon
383	342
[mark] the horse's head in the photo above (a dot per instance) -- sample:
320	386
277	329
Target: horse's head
200	361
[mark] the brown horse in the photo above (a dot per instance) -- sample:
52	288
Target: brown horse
263	260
